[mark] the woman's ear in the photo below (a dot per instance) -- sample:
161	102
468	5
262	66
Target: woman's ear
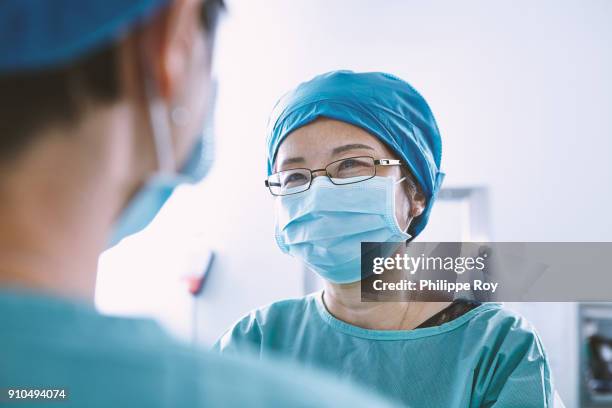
418	205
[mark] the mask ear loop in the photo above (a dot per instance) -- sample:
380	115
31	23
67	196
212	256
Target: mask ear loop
160	126
405	231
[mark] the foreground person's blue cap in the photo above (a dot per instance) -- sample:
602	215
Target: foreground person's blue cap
379	103
42	34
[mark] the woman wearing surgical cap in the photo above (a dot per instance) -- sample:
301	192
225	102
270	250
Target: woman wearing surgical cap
355	157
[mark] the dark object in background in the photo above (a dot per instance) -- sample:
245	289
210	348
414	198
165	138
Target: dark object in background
600	363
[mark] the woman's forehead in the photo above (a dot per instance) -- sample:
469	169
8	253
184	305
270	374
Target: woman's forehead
328	139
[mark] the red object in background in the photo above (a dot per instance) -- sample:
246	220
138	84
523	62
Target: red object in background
196	282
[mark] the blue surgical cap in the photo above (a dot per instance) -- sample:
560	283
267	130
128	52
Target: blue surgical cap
42	34
382	104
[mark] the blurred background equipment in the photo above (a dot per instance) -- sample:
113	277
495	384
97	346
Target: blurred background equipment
596	354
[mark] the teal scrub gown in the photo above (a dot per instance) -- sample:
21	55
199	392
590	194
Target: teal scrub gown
488	357
110	362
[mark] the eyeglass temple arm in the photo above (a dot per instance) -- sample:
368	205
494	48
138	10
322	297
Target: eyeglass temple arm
271	184
387	162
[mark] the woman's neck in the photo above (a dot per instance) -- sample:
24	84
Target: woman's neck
344	303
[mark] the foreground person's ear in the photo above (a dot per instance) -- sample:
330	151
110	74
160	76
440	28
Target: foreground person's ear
169	46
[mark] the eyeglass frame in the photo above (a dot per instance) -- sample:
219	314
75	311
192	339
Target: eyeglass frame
377	162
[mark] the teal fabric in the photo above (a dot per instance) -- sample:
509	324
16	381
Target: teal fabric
43	34
380	103
110	362
488	357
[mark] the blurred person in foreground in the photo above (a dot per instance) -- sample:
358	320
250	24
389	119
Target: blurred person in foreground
102	106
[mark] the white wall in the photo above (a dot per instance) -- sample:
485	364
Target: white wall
522	92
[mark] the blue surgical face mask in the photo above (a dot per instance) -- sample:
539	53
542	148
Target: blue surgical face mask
149	200
325	225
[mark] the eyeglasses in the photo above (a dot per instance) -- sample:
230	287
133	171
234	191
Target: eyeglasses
345	171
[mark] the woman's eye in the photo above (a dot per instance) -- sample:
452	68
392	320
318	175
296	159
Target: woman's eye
349	164
295	178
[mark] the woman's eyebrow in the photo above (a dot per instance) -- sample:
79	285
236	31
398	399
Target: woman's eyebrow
352	146
291	160
336	150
